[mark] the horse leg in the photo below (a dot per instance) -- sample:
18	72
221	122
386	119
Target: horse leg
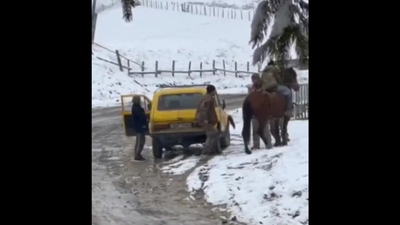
276	133
247	114
285	135
265	133
283	131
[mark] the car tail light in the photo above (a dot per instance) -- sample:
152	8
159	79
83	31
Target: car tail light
158	127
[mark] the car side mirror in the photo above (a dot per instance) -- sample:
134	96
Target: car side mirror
223	104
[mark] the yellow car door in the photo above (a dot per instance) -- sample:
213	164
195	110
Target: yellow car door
126	108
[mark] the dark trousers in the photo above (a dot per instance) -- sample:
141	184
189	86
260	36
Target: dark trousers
140	140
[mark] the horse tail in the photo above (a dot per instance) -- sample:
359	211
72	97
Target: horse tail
247	113
230	120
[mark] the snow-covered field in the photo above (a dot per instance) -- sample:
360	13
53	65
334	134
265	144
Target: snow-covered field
266	187
163	36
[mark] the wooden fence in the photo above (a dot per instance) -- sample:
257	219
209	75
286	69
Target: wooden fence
300	99
124	63
201	71
121	61
204	10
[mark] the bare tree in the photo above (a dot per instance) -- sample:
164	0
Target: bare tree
289	26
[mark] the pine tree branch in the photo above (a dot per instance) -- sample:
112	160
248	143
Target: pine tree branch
262	18
127	6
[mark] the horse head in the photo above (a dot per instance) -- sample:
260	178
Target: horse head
290	79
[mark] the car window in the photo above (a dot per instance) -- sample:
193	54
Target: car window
179	101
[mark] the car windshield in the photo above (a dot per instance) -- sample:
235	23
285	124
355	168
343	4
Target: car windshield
179	101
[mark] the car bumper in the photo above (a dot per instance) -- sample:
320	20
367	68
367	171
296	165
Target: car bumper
179	138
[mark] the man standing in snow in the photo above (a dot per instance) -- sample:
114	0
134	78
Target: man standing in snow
141	126
207	118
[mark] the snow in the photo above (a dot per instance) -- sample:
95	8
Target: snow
179	165
163	36
266	187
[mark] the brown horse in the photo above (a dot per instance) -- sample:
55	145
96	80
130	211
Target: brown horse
266	108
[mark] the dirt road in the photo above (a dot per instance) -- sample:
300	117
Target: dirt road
133	193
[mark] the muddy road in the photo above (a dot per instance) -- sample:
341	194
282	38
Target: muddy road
138	193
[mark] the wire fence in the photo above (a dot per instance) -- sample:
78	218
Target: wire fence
192	8
197	9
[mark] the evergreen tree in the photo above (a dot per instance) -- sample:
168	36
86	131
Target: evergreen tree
290	26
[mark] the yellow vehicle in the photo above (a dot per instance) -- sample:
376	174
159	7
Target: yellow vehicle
172	118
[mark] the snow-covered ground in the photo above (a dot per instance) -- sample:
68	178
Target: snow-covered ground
267	187
163	36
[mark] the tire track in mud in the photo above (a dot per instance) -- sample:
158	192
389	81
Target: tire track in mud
127	192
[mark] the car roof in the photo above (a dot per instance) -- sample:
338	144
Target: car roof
181	89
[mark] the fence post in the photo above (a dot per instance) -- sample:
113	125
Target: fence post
236	74
156	68
249	16
173	68
213	11
142	68
213	65
223	12
248	66
166	6
196	10
128	63
201	68
223	65
162	5
119	61
205	11
191	8
241	14
190	65
151	3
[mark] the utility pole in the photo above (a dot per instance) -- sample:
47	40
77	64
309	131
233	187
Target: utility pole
94	18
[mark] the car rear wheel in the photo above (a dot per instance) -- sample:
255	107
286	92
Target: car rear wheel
157	148
226	138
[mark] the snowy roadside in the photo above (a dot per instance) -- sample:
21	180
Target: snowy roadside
267	187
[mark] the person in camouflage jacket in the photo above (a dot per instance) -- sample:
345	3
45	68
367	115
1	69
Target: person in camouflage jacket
271	81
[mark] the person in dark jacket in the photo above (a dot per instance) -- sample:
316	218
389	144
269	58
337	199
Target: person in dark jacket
140	125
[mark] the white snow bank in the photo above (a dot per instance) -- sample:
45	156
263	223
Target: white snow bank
266	187
168	35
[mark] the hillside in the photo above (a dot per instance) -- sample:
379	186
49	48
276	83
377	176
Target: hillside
163	36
